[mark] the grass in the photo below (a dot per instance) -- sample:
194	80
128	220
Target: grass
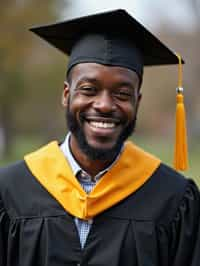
162	148
20	147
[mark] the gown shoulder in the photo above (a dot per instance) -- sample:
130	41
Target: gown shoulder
179	237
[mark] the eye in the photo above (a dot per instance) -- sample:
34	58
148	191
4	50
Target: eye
88	90
123	95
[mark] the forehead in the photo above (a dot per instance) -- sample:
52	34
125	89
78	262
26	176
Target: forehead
101	72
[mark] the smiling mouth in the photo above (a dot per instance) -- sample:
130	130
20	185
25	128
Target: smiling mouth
102	124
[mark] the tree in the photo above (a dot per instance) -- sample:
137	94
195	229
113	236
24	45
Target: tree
16	55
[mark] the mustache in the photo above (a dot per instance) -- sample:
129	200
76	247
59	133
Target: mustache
112	116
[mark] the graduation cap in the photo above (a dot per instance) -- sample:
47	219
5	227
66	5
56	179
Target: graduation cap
115	38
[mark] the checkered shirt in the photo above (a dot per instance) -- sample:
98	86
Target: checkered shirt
84	226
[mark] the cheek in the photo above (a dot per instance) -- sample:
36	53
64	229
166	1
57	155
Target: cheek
75	101
78	104
129	111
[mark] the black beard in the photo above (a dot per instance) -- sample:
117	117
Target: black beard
96	153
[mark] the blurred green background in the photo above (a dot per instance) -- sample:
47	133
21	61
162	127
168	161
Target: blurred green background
32	75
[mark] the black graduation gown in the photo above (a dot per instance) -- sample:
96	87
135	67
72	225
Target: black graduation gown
156	225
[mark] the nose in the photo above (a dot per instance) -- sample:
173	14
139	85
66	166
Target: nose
104	103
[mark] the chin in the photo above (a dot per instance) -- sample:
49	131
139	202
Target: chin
101	145
98	151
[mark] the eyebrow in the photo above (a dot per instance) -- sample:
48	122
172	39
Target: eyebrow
126	84
95	80
89	80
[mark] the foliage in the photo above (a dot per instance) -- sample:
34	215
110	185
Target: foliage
21	59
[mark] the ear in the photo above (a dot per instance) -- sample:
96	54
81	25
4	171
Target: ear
139	97
65	94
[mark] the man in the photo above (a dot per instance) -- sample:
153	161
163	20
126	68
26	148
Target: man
96	199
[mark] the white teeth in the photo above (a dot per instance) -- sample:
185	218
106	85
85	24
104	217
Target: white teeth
102	124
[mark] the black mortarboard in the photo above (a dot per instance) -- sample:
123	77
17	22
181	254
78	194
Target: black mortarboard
111	38
115	38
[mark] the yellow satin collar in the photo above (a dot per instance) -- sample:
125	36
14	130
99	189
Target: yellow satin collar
49	166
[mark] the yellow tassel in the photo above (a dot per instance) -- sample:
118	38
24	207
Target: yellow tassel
181	153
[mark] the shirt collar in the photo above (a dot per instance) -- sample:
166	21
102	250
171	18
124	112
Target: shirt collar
68	154
76	168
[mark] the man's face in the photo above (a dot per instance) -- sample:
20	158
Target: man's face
101	104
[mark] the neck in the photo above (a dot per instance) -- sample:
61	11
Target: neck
92	167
